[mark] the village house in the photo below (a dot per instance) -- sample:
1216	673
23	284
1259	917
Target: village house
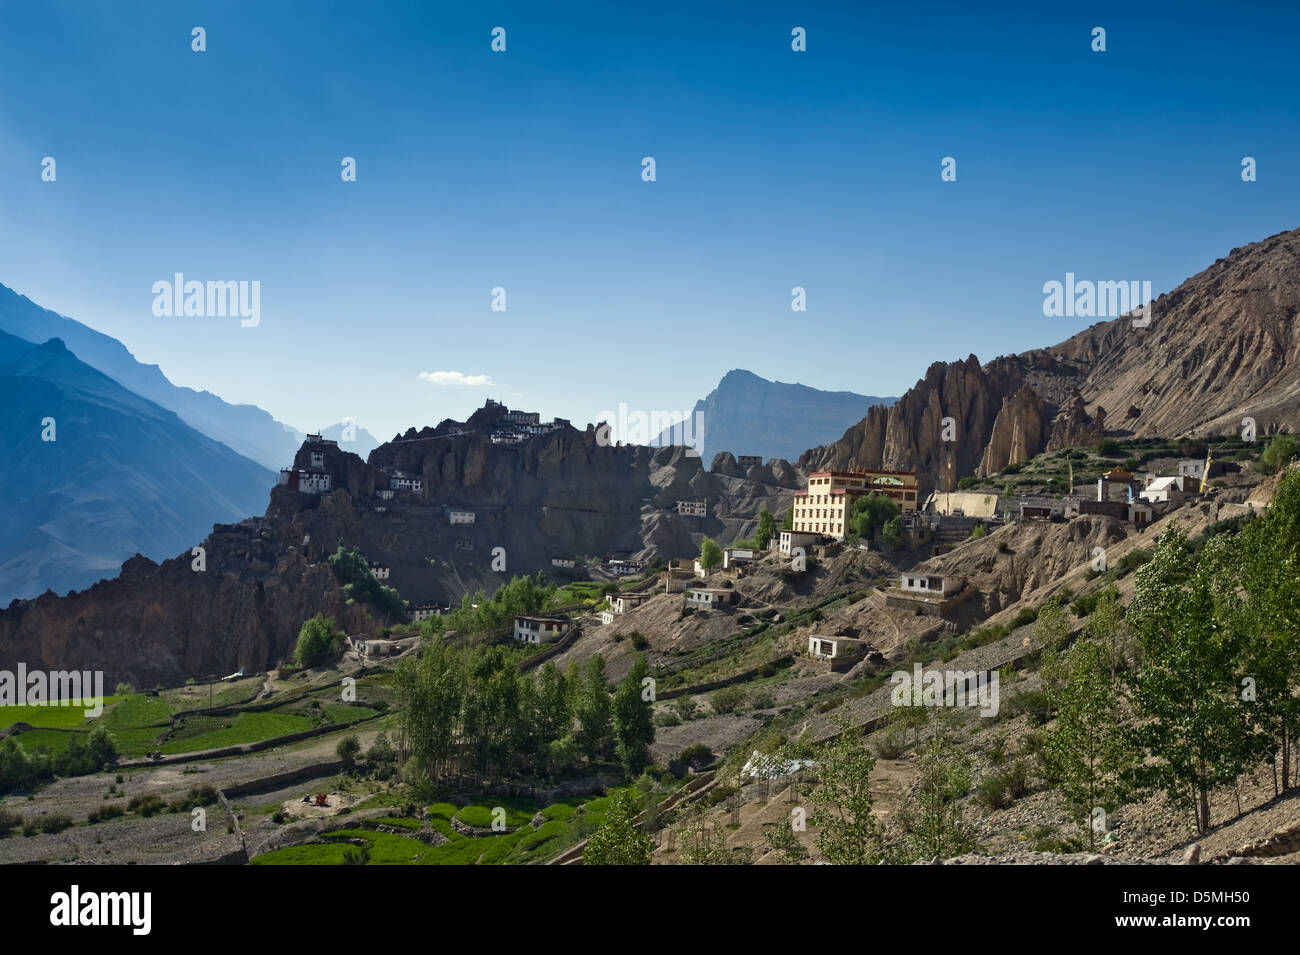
625	603
401	481
931	585
385	493
540	629
789	540
378	648
305	482
566	563
838	651
460	517
1192	471
825	506
693	508
737	556
317	439
1165	490
1117	485
378	570
706	598
620	567
424	611
1140	514
318	460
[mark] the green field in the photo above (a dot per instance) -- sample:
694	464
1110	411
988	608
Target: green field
244	728
50	717
566	824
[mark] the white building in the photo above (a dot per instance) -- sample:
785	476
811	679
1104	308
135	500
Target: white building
834	648
624	603
385	494
738	555
378	570
305	482
1167	490
708	597
401	481
568	563
693	508
461	517
426	611
791	539
540	629
931	585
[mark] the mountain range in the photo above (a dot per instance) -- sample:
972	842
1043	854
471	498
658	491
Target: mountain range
749	415
93	472
1220	352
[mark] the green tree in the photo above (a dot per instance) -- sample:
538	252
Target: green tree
700	842
1278	453
1108	626
1268	557
1087	752
1193	723
782	839
431	696
634	729
594	711
710	554
1052	633
348	749
766	529
871	512
842	805
618	841
933	820
318	640
891	532
787	521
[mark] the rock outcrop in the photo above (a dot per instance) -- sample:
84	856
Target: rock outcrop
1075	428
562	495
1017	432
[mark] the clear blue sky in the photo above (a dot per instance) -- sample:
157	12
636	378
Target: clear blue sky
522	170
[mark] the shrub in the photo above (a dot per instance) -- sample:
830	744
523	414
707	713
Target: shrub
727	700
639	640
200	796
1108	448
9	821
146	806
104	813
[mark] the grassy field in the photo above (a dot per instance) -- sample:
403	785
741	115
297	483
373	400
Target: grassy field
244	728
566	823
50	717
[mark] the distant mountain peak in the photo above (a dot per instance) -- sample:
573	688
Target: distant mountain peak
747	414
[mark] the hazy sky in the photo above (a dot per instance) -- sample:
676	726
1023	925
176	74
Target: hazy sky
522	170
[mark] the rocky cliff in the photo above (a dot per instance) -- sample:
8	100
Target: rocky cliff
1222	347
562	495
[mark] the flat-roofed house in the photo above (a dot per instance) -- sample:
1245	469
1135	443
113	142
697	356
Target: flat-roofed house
540	629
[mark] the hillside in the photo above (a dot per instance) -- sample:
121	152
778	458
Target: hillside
246	429
121	477
1221	347
563	495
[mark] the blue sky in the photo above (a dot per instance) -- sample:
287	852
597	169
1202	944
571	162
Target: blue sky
522	169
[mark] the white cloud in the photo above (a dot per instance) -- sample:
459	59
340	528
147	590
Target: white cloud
455	378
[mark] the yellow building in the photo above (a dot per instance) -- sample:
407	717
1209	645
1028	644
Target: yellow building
825	506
